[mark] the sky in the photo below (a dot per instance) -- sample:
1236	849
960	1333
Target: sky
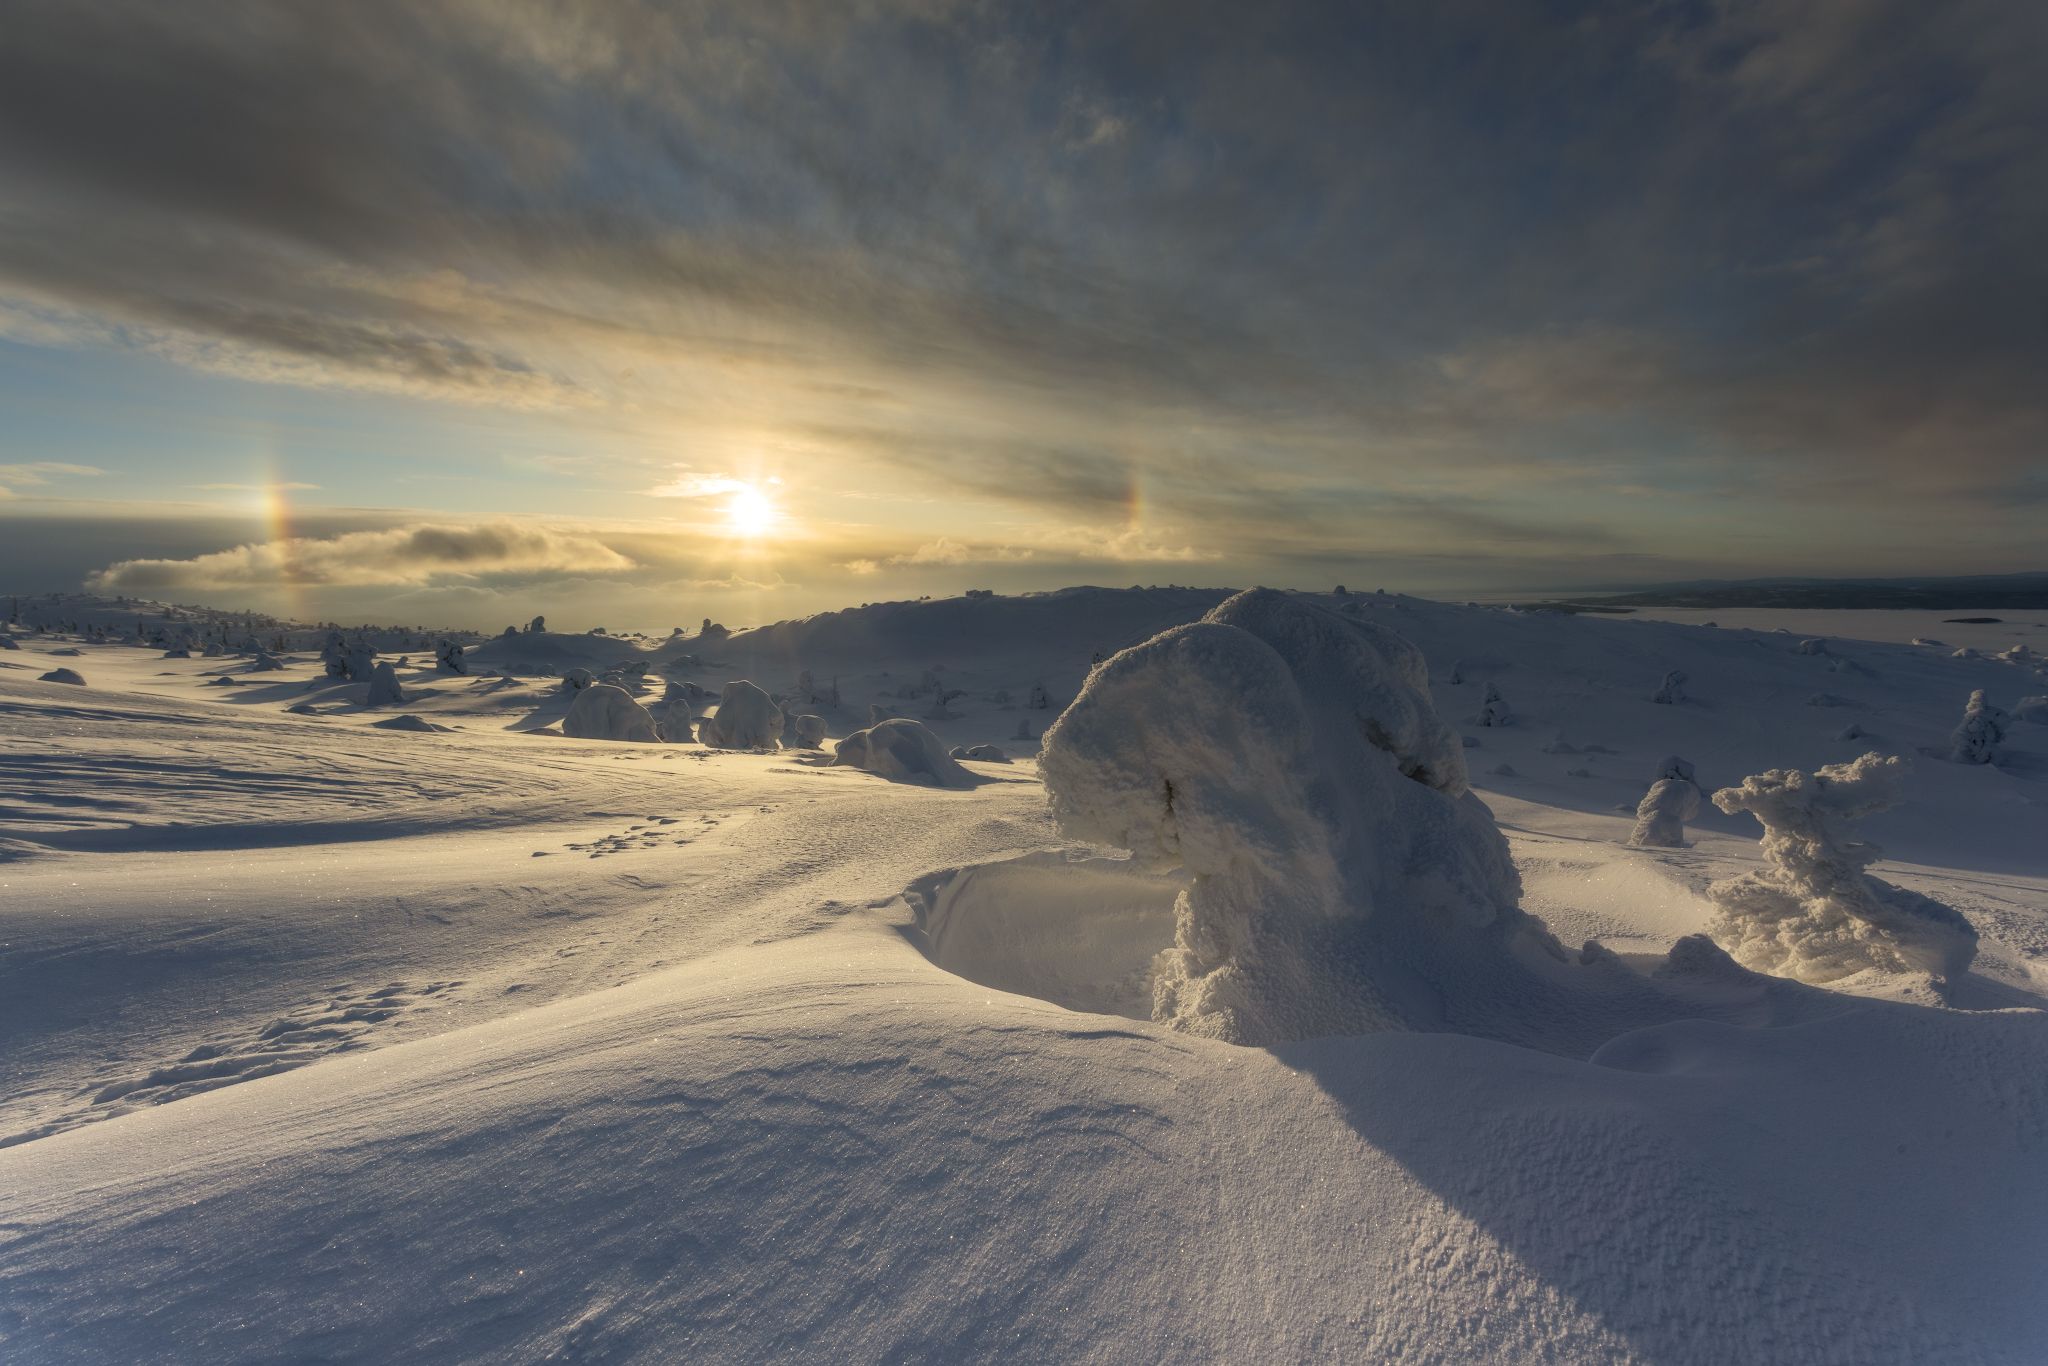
639	313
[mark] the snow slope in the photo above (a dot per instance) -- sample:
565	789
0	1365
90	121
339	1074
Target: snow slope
322	1041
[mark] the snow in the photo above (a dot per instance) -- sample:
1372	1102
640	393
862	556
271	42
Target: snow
71	676
1814	914
747	718
605	712
324	1040
903	751
1661	817
1978	735
384	690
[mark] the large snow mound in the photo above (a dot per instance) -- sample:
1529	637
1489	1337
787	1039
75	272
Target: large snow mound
1814	914
903	751
603	711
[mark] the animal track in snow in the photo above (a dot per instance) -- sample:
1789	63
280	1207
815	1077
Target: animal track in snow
337	1025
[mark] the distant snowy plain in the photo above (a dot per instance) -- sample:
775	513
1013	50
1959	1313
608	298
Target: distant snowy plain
326	1041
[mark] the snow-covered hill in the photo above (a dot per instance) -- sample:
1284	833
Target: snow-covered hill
480	1042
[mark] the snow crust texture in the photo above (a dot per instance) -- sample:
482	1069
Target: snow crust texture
1813	913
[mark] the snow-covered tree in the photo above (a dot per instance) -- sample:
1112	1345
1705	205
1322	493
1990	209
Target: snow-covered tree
1493	709
576	680
1288	760
1040	700
1812	912
537	626
1976	738
384	689
747	718
448	657
334	656
808	731
604	712
1663	812
903	751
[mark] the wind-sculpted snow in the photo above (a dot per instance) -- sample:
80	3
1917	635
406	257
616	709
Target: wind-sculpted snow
1814	914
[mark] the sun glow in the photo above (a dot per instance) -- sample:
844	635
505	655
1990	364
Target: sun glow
751	512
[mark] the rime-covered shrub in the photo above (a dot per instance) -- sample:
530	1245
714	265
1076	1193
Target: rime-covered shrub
1813	913
1976	738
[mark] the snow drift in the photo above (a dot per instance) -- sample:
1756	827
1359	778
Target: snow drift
1814	914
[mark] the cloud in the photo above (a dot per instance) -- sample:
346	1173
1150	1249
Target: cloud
40	473
687	485
288	486
399	556
1402	275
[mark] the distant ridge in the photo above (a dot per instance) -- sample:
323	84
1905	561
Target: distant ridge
2013	592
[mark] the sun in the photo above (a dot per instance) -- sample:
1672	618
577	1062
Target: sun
751	512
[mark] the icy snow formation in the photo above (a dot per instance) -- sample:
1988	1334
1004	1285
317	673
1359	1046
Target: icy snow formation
747	718
903	751
1663	812
71	676
2034	709
1813	913
1672	690
1976	738
603	711
1342	878
808	731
